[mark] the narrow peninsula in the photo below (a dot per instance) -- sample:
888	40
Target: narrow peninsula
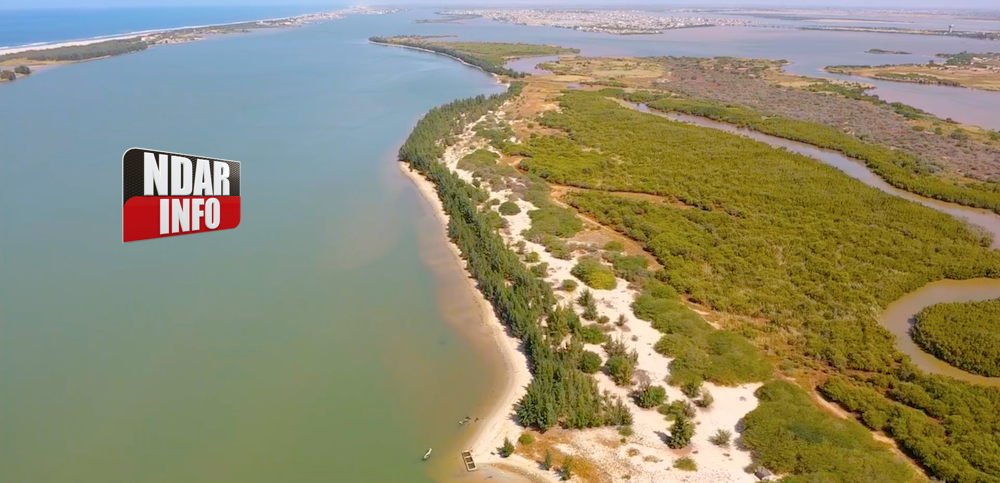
672	286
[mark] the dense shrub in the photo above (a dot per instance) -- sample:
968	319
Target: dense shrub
595	274
966	335
508	208
649	396
788	434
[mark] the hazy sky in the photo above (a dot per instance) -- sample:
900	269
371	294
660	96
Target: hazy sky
992	4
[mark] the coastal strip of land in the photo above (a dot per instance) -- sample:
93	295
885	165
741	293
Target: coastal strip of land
18	62
970	70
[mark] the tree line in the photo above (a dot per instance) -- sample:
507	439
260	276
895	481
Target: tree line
80	52
560	393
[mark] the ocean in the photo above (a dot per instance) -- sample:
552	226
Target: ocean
32	26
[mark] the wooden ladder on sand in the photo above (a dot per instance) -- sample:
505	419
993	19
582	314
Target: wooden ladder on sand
467	458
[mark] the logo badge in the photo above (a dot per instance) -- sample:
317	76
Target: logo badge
169	194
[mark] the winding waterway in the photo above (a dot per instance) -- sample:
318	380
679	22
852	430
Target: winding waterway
898	316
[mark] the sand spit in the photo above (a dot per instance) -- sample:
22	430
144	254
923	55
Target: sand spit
641	457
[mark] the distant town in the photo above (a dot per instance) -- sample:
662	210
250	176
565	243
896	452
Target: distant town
622	22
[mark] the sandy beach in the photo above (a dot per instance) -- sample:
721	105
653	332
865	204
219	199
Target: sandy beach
498	423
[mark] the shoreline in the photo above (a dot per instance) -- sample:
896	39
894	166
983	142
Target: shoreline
495	76
498	423
5	50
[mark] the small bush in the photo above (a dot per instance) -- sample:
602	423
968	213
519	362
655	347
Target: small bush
648	396
677	409
626	431
508	208
526	439
721	438
959	135
547	462
680	433
614	246
691	389
621	320
604	319
589	304
566	472
541	270
22	69
621	369
686	464
531	257
568	285
590	362
705	401
593	335
507	449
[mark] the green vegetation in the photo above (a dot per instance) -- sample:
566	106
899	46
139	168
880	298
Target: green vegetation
568	285
483	165
489	56
507	449
80	52
775	234
547	462
559	392
721	438
788	434
22	70
595	274
968	58
7	75
951	428
685	464
705	401
677	409
770	234
700	353
896	167
882	51
966	335
590	362
566	471
526	439
680	433
648	396
508	208
621	363
586	300
631	268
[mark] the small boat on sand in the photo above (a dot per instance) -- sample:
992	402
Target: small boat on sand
428	453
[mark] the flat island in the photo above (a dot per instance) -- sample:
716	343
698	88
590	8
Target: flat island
20	61
974	71
881	51
672	284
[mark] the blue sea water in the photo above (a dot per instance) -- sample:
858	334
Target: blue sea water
31	26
